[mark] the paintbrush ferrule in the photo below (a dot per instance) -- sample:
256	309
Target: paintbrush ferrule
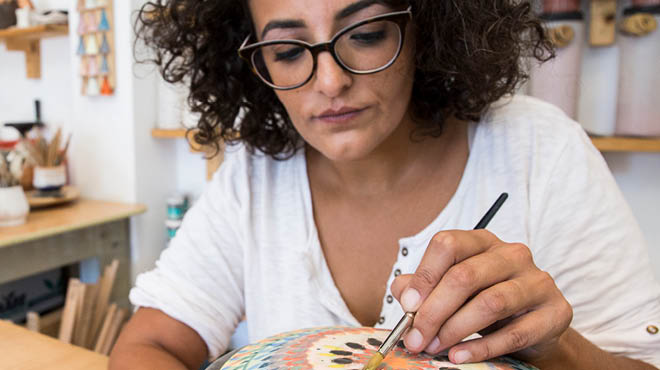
398	331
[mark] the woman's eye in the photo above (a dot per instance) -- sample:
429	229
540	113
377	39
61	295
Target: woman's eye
369	38
289	55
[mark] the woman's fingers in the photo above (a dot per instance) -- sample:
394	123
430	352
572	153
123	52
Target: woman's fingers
494	304
446	249
539	326
461	282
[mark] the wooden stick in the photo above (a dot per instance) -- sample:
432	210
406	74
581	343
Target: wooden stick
113	333
83	326
69	313
103	297
33	322
105	328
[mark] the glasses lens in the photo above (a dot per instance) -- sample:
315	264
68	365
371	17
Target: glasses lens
283	64
369	47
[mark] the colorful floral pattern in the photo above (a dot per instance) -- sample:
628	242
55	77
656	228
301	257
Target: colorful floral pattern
344	348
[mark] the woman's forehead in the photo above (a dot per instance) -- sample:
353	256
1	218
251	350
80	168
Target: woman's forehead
326	11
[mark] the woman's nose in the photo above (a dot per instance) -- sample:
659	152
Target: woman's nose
331	79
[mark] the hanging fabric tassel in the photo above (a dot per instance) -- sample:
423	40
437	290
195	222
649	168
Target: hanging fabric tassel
105	47
84	68
104	65
93	66
81	46
92	45
92	87
105	87
103	24
90	20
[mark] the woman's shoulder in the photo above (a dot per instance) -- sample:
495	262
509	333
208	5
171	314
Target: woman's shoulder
530	124
247	169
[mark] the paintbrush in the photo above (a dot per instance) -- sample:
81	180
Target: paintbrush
407	319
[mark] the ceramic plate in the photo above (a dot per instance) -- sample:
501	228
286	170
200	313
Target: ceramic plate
345	348
69	193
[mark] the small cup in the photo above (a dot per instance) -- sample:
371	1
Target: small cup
49	178
14	206
23	17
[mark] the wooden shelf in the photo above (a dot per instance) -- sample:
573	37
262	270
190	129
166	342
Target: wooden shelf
28	40
604	144
168	134
36	32
627	144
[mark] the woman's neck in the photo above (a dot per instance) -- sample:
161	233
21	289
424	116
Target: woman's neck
398	163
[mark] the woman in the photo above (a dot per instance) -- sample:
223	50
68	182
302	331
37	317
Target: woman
370	145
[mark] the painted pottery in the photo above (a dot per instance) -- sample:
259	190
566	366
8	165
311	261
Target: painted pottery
344	348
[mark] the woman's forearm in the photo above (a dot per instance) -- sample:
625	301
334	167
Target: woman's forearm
576	352
143	357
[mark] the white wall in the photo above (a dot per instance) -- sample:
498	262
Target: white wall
54	89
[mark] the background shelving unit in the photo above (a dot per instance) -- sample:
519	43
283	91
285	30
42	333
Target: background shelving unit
212	163
604	144
28	40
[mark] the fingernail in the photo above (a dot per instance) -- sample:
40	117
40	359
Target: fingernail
410	300
433	347
413	339
462	356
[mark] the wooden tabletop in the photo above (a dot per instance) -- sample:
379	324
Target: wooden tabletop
21	349
68	217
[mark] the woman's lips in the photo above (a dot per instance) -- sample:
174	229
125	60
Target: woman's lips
339	116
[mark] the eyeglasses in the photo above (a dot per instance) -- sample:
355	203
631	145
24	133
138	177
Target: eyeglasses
366	47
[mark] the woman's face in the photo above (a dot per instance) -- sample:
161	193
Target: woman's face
342	115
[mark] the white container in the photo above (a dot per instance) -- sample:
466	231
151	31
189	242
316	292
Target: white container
639	86
14	206
49	178
599	89
556	81
23	17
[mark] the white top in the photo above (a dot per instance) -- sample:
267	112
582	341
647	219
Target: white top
250	246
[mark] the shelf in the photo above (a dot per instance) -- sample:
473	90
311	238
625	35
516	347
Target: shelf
28	40
627	144
36	32
168	134
604	144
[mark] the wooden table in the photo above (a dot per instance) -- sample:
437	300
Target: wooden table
67	234
21	349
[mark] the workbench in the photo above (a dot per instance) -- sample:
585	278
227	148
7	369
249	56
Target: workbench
67	234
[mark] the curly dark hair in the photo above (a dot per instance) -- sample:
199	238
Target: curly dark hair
468	55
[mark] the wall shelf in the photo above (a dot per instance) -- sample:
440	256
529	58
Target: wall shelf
604	144
212	163
28	40
627	144
168	134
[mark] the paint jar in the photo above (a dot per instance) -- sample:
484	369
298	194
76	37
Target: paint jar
176	207
556	81
639	85
47	179
172	226
599	89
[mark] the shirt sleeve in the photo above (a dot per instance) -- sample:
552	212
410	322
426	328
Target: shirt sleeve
584	234
198	279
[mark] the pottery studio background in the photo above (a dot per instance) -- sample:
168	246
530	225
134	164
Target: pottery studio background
120	150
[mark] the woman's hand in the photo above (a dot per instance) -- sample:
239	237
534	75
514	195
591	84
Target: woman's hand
472	282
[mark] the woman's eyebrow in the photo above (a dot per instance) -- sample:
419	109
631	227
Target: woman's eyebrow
354	8
296	23
289	23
